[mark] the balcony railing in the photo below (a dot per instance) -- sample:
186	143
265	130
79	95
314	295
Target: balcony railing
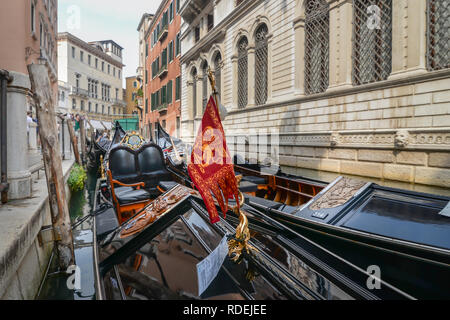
190	9
162	71
161	107
118	102
76	91
163	32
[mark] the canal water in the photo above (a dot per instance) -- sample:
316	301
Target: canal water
55	285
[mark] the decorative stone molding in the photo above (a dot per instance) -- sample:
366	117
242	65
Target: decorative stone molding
401	138
413	139
334	139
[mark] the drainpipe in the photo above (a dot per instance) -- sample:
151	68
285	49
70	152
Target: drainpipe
4	186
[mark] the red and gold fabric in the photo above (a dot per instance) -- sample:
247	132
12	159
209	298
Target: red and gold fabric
211	168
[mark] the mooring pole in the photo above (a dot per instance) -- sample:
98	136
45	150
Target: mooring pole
73	139
45	110
83	139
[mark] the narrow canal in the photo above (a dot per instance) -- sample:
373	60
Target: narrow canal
55	285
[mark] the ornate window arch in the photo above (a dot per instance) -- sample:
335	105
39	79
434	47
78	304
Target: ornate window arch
242	48
438	44
204	84
317	46
372	40
261	64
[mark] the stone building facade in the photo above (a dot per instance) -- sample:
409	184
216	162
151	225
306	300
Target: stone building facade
93	72
355	87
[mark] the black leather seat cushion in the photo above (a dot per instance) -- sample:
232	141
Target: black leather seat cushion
246	186
126	195
167	185
254	179
263	202
123	165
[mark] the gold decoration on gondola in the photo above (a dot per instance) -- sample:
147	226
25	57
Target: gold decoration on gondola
239	243
133	140
102	168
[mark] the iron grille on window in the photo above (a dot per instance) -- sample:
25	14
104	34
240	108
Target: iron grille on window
372	40
317	46
217	71
438	34
242	73
194	90
205	86
261	54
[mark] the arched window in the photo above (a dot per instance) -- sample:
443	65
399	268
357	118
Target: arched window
261	64
194	90
217	71
205	85
372	44
438	49
242	72
317	46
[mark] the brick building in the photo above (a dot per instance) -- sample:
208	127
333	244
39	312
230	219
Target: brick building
162	78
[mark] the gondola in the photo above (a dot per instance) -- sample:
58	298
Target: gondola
406	233
152	235
100	143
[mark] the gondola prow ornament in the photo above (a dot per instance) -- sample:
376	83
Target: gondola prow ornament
212	172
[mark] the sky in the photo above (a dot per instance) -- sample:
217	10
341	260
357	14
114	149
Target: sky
92	20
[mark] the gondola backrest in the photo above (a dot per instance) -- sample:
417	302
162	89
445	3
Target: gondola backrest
122	164
151	159
145	164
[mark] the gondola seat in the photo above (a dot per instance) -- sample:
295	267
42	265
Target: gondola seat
126	195
152	167
263	202
254	179
126	183
248	187
167	185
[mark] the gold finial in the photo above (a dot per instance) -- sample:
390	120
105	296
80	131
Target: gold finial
102	169
239	243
